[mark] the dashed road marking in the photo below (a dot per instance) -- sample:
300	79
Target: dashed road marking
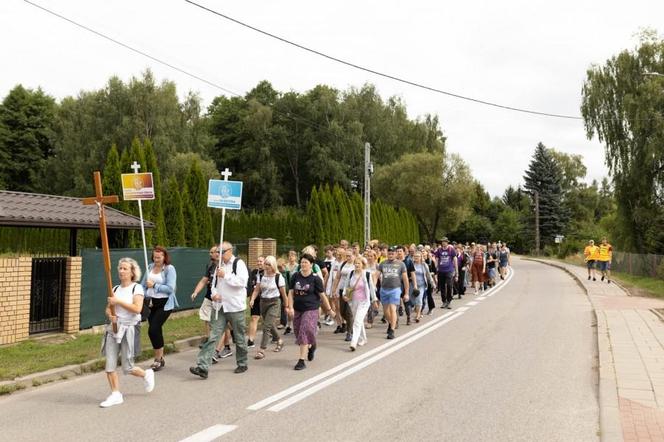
363	360
210	433
308	392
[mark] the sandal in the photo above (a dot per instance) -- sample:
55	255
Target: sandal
259	355
158	364
279	347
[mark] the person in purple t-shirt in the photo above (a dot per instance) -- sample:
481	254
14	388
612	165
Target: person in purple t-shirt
447	270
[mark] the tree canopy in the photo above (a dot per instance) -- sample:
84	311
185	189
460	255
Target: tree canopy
544	177
434	186
624	106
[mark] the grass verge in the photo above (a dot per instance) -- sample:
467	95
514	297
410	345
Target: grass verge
636	285
35	356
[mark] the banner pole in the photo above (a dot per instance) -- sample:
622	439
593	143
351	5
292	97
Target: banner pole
145	249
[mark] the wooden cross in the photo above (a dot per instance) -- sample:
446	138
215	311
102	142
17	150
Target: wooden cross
99	199
226	173
135	166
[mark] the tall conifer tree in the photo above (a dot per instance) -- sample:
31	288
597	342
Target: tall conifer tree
190	218
174	212
545	177
198	193
155	207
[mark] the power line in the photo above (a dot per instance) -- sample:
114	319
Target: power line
288	115
381	74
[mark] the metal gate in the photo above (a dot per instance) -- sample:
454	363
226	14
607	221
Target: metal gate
47	294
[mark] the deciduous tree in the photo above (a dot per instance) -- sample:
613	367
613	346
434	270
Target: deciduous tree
624	107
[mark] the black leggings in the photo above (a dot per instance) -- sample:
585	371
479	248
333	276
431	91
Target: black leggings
430	302
156	320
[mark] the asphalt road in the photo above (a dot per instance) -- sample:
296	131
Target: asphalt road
519	364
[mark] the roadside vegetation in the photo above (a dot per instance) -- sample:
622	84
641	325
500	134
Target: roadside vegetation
37	355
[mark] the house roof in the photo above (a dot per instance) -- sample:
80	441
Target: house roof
23	209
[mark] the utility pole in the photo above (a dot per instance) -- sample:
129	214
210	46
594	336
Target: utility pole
537	229
368	170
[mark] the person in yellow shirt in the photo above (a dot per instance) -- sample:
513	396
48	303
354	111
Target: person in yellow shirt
604	259
591	253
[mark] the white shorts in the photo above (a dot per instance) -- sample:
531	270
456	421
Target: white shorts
205	312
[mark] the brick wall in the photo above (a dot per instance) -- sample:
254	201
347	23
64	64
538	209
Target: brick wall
15	278
72	310
270	247
260	247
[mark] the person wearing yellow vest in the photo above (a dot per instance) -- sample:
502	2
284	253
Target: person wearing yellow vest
591	254
604	259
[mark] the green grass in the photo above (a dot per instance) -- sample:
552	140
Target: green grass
9	389
652	286
35	356
637	285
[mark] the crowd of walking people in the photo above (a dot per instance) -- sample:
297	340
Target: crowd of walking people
299	295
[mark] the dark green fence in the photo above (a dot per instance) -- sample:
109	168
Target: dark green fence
639	264
189	263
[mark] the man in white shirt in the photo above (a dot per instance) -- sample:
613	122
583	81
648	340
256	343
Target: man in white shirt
230	291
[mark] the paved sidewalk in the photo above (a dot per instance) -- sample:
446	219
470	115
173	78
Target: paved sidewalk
631	360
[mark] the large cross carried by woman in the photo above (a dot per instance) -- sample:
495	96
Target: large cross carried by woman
99	199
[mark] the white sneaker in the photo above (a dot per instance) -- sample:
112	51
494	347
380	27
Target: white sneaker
115	398
329	322
148	380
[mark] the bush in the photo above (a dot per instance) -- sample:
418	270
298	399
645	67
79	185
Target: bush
660	270
570	247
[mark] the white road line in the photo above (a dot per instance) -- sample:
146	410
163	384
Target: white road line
472	303
481	298
461	309
210	433
297	387
278	396
306	393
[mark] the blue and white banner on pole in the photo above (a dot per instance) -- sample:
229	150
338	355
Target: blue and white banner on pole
225	194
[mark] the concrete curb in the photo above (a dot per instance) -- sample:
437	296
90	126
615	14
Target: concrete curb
609	404
70	371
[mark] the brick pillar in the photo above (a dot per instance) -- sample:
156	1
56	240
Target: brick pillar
15	279
72	310
254	250
270	247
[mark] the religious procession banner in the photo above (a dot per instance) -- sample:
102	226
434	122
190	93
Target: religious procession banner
137	186
224	194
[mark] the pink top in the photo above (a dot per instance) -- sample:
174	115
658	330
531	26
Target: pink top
360	293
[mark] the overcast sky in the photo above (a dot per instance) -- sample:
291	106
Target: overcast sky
526	54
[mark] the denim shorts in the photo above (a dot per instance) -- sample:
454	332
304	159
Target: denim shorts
416	300
390	296
604	265
590	263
